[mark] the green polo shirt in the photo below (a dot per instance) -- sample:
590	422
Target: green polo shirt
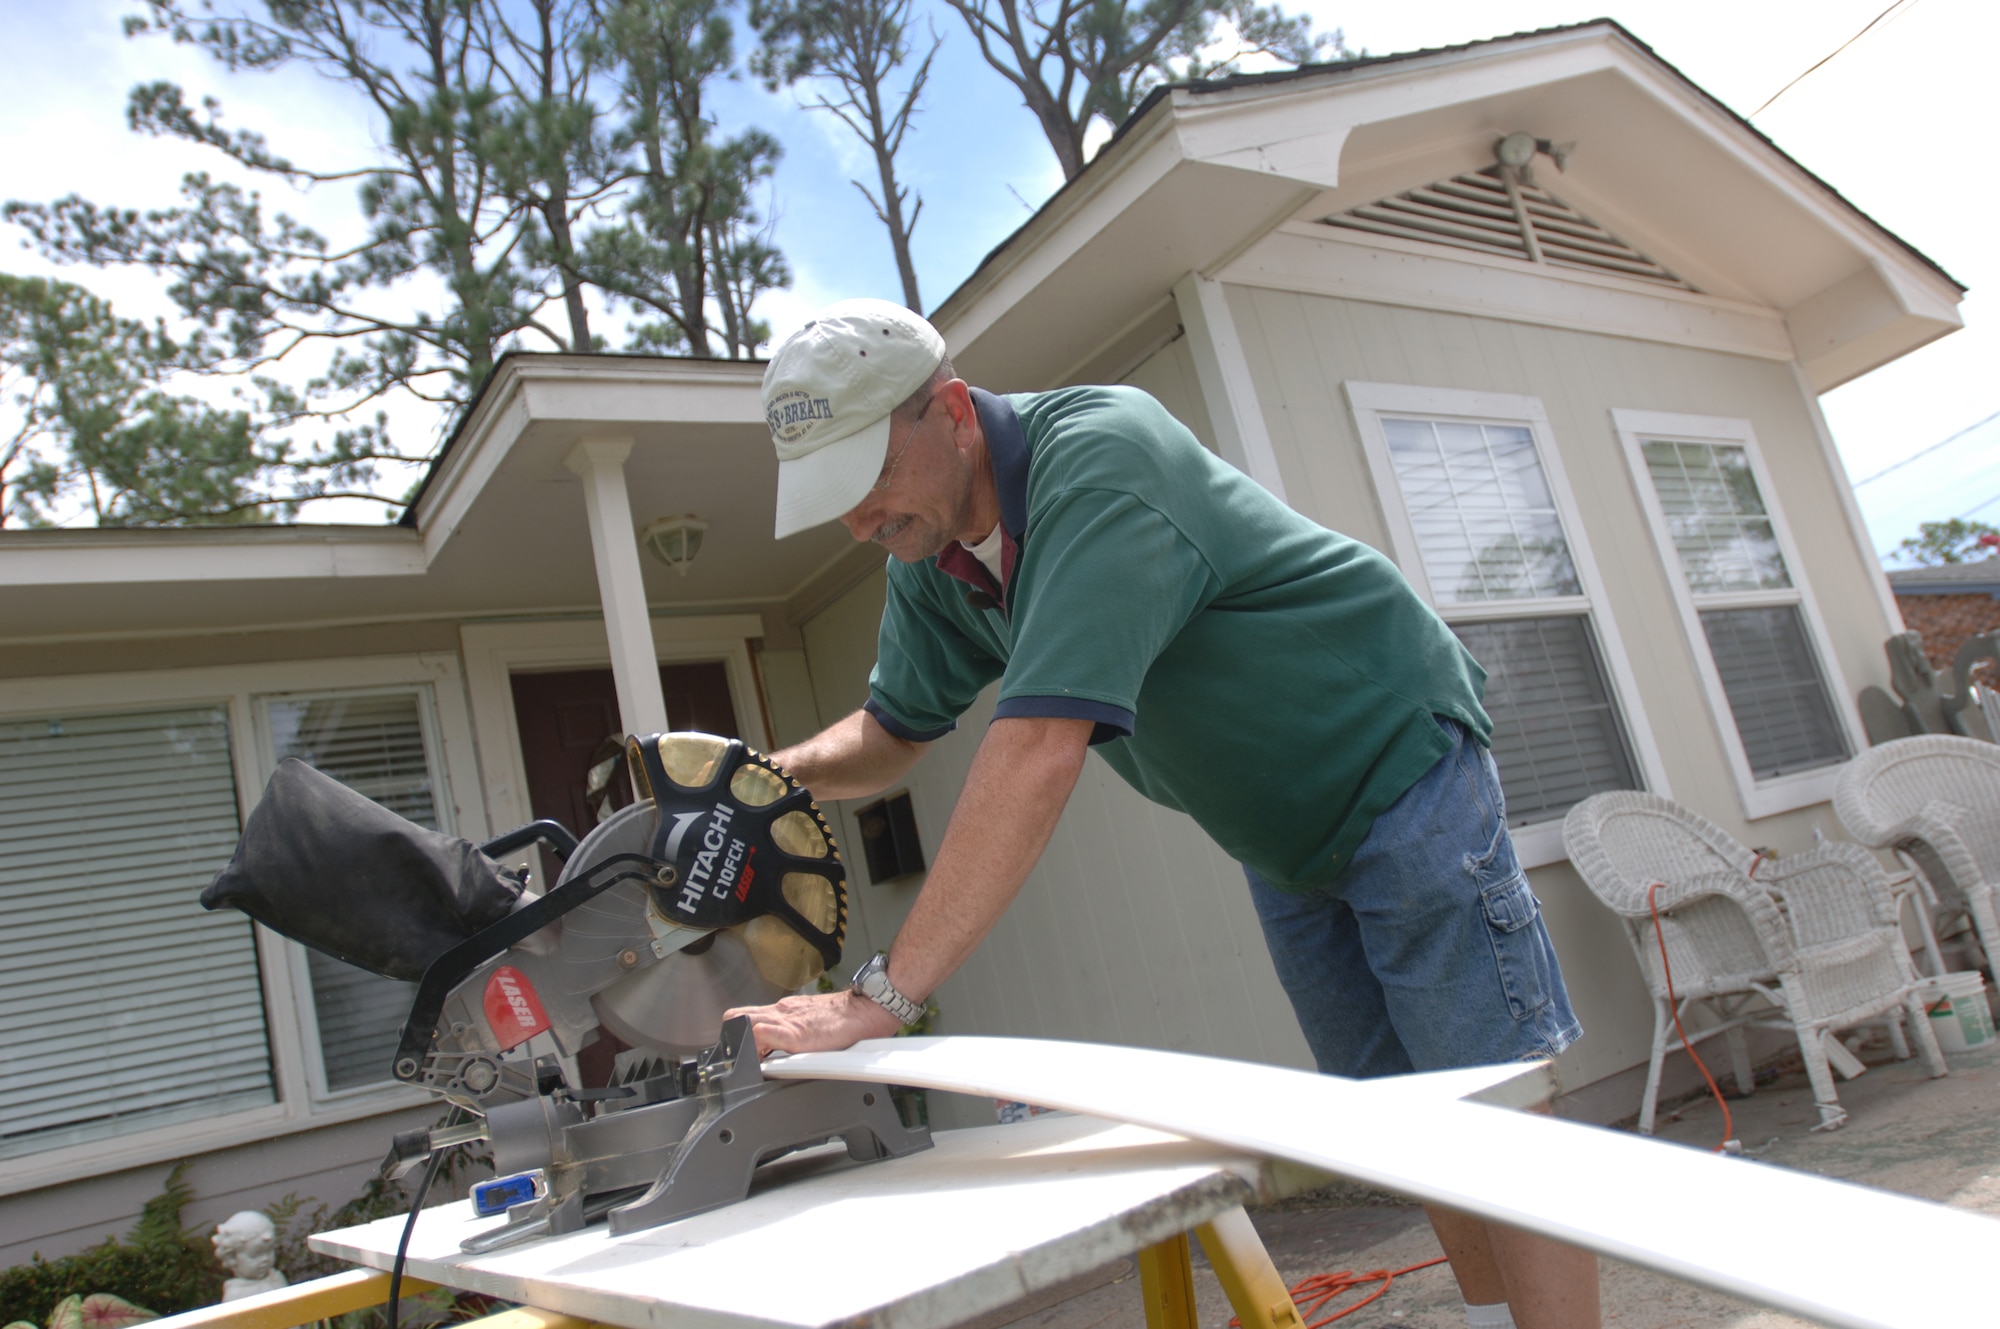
1271	678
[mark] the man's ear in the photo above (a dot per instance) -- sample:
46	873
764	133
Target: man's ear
957	403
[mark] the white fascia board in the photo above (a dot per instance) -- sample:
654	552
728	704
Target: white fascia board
291	553
1255	127
701	396
1066	223
495	424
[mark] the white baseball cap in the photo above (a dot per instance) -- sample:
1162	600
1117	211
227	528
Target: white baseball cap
827	397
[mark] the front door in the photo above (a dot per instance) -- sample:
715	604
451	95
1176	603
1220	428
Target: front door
564	718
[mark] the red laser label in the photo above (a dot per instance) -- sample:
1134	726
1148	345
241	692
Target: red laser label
512	1007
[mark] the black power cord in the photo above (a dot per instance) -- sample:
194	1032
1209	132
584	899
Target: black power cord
458	1116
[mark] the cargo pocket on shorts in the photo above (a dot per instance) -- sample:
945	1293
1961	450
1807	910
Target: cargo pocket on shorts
1519	946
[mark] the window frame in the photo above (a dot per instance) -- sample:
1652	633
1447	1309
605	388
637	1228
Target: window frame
1540	843
1782	793
237	689
299	975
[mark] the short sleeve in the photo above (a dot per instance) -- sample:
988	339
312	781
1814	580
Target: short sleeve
927	671
1107	582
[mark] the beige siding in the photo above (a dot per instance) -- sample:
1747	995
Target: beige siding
330	1165
1302	347
1169	374
788	693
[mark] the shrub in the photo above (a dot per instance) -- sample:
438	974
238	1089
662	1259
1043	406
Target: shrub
157	1266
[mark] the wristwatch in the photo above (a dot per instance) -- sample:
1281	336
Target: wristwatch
871	980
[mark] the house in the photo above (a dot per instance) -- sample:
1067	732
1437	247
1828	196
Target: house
1948	604
1535	316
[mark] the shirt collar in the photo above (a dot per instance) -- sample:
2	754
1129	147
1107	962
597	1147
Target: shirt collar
1007	452
1007	455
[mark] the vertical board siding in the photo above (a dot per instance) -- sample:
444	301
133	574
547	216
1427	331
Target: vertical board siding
1169	374
1301	349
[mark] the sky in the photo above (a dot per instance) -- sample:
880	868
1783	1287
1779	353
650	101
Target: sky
1887	122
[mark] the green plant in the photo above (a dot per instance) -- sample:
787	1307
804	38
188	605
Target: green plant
295	1222
157	1265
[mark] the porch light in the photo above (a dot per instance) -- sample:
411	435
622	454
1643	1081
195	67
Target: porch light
675	540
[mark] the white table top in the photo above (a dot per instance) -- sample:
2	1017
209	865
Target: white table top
984	1219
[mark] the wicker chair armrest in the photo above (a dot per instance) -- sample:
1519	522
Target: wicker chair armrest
1938	825
1766	920
1832	891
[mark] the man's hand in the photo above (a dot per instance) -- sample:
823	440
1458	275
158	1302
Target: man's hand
822	1022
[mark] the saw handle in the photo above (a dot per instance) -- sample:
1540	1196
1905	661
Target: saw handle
551	833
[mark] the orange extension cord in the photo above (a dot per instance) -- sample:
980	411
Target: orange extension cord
1674	1005
1310	1294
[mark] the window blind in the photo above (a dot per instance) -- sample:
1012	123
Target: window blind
1484	518
124	1006
1726	541
1556	735
1716	515
373	744
1774	688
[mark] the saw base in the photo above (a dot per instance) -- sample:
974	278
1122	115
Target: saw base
691	1140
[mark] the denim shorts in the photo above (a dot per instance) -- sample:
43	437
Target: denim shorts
1428	951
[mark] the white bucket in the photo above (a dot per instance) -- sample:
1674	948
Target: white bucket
1957	1006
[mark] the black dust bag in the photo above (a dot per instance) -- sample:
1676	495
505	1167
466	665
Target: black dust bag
346	876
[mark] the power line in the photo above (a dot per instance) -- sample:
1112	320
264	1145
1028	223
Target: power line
1829	55
1929	450
1977	506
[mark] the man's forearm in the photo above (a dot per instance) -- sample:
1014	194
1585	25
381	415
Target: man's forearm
851	758
1020	781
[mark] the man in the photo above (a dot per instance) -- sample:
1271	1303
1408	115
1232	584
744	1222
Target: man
1278	682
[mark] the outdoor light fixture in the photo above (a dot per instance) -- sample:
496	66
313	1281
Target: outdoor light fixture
675	540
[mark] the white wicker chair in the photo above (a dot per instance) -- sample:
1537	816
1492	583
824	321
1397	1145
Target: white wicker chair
1936	800
1813	934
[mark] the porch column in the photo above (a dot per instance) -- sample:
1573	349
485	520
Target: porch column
600	464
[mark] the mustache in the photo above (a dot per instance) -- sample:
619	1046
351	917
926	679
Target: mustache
889	530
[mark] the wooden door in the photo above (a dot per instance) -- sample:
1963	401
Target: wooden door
564	717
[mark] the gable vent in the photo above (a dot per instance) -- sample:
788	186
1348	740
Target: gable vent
1485	212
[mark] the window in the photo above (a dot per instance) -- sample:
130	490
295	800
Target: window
135	1026
1756	635
1483	526
124	1006
375	744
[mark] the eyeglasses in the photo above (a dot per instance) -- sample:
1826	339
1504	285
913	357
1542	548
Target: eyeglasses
889	471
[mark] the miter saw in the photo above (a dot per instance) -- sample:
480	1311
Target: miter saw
720	887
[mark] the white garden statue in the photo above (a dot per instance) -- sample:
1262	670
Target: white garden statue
245	1243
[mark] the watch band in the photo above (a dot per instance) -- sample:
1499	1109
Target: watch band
871	980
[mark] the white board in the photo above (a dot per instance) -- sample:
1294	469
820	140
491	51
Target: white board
1828	1250
929	1241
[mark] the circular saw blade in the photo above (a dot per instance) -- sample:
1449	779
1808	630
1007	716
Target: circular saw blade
751	853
